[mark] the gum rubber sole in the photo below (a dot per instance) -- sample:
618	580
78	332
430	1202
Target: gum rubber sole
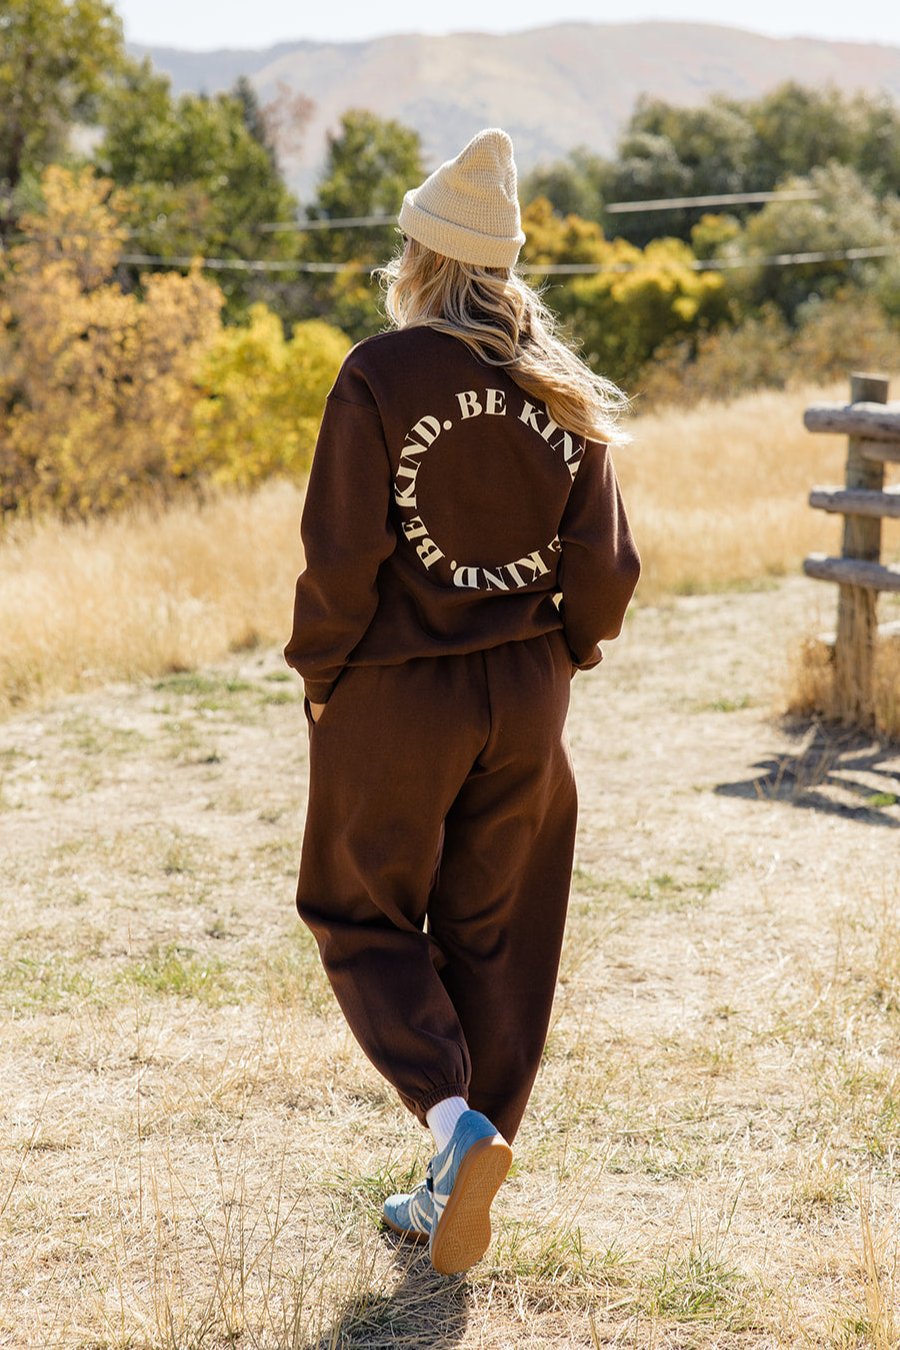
463	1233
411	1234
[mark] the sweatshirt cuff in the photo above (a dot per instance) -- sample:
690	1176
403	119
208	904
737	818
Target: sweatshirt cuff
318	691
589	662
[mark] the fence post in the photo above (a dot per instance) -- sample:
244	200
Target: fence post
857	625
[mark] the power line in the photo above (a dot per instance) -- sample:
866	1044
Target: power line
617	208
722	264
360	222
546	269
798	259
351	222
724	199
237	264
326	223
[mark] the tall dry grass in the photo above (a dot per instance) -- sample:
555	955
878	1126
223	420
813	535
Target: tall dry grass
811	688
145	592
716	493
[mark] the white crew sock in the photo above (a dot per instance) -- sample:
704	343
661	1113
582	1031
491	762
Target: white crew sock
442	1119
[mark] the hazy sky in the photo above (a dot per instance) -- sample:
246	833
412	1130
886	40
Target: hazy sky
259	23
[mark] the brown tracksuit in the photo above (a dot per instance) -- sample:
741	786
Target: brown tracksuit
464	555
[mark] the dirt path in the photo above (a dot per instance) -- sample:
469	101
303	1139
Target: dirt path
190	1139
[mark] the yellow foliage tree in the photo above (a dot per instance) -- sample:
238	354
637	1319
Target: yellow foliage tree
551	238
96	386
639	299
263	397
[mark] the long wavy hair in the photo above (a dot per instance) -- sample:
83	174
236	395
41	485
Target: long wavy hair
506	323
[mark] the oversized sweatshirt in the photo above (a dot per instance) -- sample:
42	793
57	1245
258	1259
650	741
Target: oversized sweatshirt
447	512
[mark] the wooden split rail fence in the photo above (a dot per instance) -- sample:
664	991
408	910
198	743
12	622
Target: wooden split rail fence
873	427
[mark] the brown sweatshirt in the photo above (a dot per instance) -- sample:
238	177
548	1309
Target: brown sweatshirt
446	512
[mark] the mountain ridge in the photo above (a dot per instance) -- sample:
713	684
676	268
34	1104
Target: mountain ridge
552	86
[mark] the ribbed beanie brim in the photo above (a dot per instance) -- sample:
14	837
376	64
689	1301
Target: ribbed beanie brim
469	208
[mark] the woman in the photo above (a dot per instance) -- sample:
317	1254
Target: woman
466	549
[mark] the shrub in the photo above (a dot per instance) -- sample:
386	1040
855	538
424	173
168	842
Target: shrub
263	398
107	397
850	332
641	298
96	386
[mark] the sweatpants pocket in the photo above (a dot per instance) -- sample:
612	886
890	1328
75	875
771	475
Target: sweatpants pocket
326	711
557	638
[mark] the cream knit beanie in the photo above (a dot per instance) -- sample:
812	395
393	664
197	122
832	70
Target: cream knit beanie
469	208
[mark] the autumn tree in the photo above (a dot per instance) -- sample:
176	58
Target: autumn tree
369	165
797	128
201	175
723	146
254	116
97	386
678	152
281	123
637	298
106	396
263	398
55	59
574	185
844	215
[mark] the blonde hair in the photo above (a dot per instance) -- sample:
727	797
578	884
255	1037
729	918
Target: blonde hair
506	323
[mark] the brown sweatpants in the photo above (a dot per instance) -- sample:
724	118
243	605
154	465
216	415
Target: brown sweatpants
442	790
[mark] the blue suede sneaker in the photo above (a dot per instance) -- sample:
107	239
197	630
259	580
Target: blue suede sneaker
411	1215
450	1209
462	1181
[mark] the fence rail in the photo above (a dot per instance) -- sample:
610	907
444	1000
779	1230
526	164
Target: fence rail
857	501
873	427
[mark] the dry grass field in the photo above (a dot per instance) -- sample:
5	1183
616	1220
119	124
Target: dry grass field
717	495
193	1151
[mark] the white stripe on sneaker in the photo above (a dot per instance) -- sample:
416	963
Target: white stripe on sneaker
416	1212
444	1170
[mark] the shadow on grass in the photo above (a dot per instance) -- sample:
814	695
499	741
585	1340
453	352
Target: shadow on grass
425	1309
836	771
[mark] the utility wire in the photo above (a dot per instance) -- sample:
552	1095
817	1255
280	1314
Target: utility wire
264	265
326	223
546	269
722	264
724	199
353	222
617	208
237	264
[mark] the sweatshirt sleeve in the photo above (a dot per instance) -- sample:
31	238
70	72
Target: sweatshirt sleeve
346	534
599	564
